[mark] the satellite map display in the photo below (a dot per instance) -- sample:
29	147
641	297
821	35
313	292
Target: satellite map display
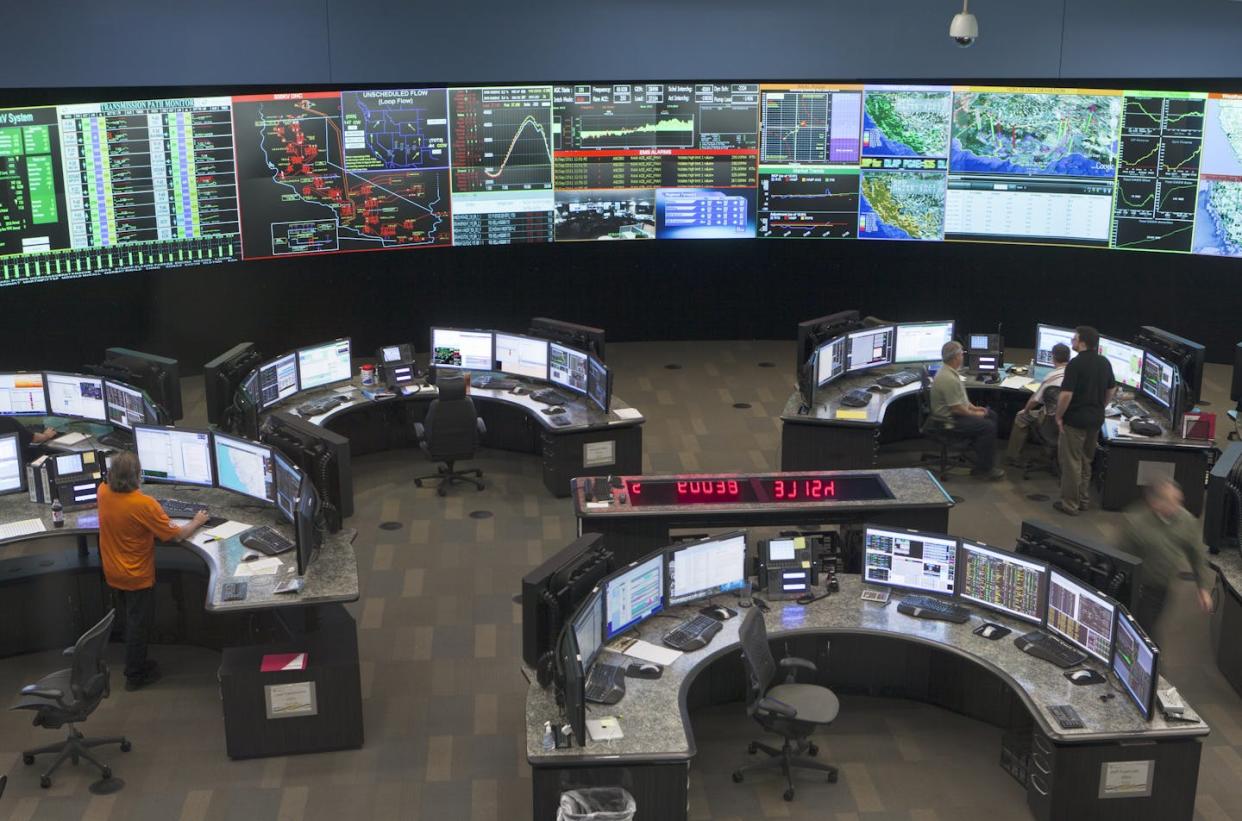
1035	133
901	205
1218	209
907	122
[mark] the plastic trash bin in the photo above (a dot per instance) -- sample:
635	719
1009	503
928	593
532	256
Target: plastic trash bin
596	804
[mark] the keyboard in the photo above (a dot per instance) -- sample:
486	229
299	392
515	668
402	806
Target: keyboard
560	421
692	633
1131	408
857	398
605	683
177	509
116	439
25	527
549	397
266	541
1045	646
1066	716
499	384
899	379
317	406
925	607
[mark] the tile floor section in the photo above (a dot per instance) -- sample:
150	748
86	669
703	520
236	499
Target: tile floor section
440	638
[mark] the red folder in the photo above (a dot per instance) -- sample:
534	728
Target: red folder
278	662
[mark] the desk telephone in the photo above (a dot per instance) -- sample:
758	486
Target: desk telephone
790	567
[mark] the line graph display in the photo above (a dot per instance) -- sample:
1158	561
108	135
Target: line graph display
809	203
813	126
611	130
395	129
1157	172
501	138
299	198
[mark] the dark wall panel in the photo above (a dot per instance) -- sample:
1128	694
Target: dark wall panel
1152	38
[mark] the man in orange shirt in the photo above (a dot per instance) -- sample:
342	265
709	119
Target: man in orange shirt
129	523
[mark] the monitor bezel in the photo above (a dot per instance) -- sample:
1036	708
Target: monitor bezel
146	403
1172	388
271	362
558	383
597	593
42	391
496	365
1042	595
1112	639
842	338
279	457
952	323
305	527
686	545
211	455
1070	331
905	530
593	360
1142	354
607	580
21	467
850	367
1146	710
215	438
349	372
491	356
47	397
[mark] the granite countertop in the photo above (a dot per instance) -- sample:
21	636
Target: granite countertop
911	487
332	576
1117	430
581	413
653	716
1228	563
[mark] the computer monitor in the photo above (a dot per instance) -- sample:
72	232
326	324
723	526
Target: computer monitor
324	364
21	394
178	455
830	360
521	355
895	557
811	332
567	367
571	682
870	348
307	535
706	568
126	405
288	484
12	471
278	380
1046	336
1136	662
599	383
1126	359
72	394
68	464
1158	380
584	337
633	594
245	467
983	342
1002	581
1080	615
921	341
454	348
588	626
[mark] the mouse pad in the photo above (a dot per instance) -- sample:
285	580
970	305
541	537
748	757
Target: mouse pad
1094	678
999	631
711	611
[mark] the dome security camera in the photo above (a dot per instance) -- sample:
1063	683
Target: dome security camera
964	30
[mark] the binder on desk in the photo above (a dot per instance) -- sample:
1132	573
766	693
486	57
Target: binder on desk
1199	425
279	662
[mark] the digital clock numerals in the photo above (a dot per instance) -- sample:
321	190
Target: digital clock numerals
719	490
789	490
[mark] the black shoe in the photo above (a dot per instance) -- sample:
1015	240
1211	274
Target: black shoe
147	678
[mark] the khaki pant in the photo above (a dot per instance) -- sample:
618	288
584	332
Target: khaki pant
1076	451
1018	435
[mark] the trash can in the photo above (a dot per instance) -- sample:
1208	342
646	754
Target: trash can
596	804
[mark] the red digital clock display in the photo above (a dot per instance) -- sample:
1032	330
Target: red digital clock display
733	490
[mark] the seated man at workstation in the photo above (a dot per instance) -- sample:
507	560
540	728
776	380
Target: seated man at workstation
951	408
25	436
1033	413
129	522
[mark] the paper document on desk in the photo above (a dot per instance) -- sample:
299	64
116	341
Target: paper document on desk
219	533
851	413
627	413
604	729
645	651
70	438
1020	382
259	567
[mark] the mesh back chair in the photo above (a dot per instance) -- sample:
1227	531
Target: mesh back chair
791	710
1045	436
70	696
450	432
950	442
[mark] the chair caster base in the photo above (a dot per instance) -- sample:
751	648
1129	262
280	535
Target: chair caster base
45	781
737	777
789	795
28	760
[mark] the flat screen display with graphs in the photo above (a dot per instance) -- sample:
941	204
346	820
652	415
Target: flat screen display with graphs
105	187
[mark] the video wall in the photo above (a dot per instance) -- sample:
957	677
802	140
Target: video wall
121	186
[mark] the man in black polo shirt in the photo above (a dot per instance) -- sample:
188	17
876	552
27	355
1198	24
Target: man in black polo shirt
1087	389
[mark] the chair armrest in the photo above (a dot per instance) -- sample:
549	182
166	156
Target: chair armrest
777	707
794	661
481	425
68	651
420	431
50	693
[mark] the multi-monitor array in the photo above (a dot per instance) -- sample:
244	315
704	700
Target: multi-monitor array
1133	367
76	396
206	458
1021	588
100	187
305	369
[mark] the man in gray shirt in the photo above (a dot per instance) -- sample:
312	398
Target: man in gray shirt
950	408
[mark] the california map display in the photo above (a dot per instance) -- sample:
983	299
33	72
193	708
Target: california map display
901	205
1035	133
906	123
1218	209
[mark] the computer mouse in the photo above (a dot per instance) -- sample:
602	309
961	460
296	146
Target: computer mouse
721	613
1080	675
250	557
988	631
519	391
644	670
875	389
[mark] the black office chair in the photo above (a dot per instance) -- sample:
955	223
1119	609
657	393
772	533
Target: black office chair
450	432
790	710
1045	436
70	696
951	443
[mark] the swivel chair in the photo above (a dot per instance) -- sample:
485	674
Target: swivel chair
70	696
450	432
790	710
949	441
1045	436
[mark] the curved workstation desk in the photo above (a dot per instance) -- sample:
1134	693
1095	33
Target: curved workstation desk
588	442
865	647
1227	614
829	434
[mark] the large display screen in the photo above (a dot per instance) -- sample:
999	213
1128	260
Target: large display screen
103	187
790	488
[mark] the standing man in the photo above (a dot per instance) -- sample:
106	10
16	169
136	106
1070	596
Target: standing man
1085	392
1161	532
1032	415
951	408
129	523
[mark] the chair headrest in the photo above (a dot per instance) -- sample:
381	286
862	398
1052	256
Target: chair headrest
451	387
